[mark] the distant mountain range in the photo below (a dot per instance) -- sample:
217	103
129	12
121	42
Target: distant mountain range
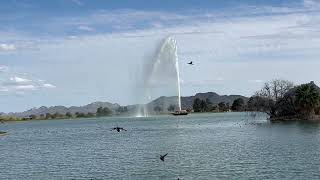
162	101
187	101
92	108
214	98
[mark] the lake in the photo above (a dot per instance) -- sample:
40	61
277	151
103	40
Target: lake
199	146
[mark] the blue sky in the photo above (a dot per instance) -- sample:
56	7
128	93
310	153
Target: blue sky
73	52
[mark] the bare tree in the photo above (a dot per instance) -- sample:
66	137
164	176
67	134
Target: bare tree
267	98
275	89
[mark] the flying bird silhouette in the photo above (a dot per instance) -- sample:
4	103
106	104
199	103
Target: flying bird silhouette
118	129
190	63
162	157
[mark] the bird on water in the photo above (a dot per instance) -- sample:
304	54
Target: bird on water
118	129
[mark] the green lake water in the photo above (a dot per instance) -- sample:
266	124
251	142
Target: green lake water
199	146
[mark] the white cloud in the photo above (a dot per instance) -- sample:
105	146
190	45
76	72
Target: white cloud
216	46
19	79
20	93
3	89
263	41
219	79
20	85
25	87
256	81
47	85
77	2
3	68
312	4
72	37
7	47
85	28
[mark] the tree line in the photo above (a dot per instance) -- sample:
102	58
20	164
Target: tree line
101	111
200	105
281	100
278	98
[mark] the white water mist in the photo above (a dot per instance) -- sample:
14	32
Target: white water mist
161	74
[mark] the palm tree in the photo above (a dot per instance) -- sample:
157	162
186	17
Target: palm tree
307	98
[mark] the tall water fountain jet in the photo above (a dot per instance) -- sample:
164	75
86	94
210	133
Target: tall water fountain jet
178	74
162	75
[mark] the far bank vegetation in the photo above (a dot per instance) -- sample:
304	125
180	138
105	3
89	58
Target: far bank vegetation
280	99
283	101
101	112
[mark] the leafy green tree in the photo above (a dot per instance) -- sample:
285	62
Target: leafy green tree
307	99
90	114
99	111
172	107
223	107
261	104
157	109
227	106
48	116
203	106
68	115
197	105
42	116
33	116
209	103
238	105
214	108
104	111
80	115
107	111
56	115
122	109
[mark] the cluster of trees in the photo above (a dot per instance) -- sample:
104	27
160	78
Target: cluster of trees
207	106
57	115
265	100
103	111
278	98
202	105
159	109
122	109
8	118
100	112
172	108
238	105
223	107
281	100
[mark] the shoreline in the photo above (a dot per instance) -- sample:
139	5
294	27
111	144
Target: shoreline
314	118
79	118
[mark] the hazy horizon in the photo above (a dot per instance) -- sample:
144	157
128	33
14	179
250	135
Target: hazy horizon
116	102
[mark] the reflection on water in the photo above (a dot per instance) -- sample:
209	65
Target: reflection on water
200	146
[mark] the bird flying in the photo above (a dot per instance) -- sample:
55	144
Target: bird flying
190	63
162	157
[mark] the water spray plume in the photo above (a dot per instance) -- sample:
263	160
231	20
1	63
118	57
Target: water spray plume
163	71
